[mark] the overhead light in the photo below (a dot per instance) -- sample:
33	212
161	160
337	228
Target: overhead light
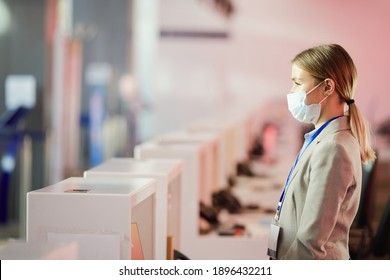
5	17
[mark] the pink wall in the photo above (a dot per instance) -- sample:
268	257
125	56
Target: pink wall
196	77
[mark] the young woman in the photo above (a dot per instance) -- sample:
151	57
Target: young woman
321	195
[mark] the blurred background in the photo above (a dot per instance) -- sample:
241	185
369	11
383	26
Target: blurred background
83	81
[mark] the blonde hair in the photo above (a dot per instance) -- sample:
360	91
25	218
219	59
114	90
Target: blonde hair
333	61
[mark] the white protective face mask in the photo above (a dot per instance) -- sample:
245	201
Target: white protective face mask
301	111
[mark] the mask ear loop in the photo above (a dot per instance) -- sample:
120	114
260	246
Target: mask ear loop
315	87
324	99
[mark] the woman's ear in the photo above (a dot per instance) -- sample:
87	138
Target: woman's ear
329	86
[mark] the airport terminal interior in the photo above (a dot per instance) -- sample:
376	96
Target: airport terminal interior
159	129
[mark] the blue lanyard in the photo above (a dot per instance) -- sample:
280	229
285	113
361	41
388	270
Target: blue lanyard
305	145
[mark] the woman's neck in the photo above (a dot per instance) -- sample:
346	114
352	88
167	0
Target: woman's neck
321	122
333	108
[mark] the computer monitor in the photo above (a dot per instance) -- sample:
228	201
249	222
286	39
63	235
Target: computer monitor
168	175
210	159
228	137
193	180
97	213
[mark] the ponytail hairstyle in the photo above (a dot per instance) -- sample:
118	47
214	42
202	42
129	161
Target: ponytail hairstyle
333	61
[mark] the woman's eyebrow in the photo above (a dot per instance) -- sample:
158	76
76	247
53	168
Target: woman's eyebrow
295	79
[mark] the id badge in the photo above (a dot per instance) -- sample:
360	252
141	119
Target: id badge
273	240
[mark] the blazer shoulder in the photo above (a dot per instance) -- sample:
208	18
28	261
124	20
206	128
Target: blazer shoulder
340	144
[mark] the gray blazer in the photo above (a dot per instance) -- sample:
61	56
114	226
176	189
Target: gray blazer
322	197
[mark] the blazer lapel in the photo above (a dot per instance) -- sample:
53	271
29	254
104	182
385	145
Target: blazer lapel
306	154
